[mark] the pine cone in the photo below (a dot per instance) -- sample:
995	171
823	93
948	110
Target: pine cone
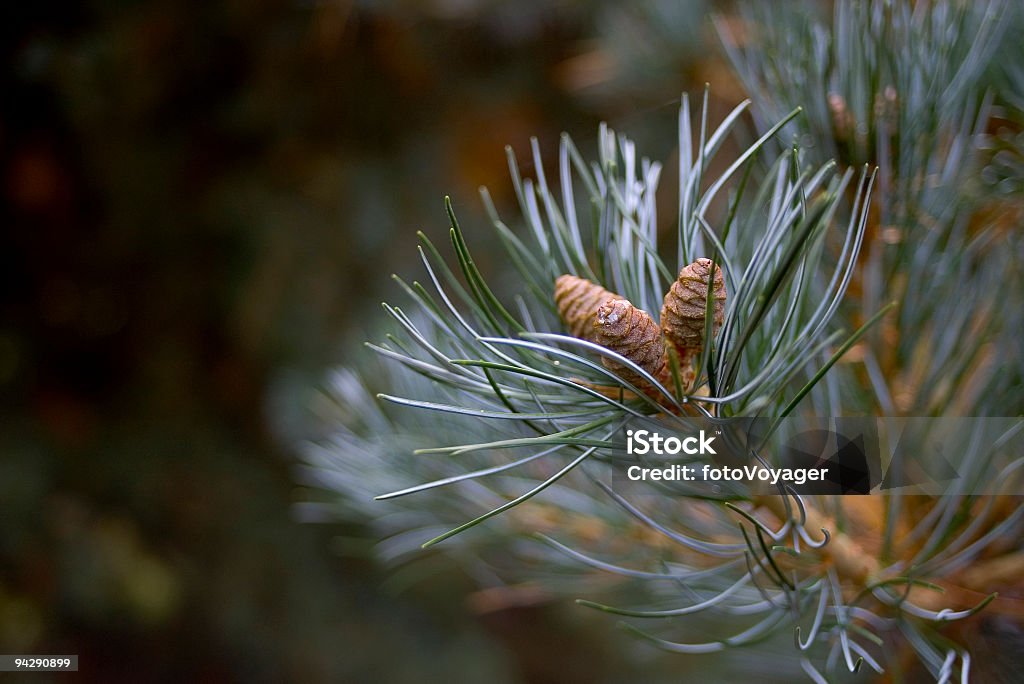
682	315
631	332
577	300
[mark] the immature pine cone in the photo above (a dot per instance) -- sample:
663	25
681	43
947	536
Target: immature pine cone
631	332
577	300
682	315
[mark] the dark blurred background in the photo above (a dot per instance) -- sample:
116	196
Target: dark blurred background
201	206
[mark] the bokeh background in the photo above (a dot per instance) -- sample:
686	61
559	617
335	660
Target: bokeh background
201	205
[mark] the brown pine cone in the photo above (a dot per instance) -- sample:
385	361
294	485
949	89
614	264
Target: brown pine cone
577	300
631	332
682	315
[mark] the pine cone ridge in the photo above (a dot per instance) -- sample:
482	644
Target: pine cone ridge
577	300
682	314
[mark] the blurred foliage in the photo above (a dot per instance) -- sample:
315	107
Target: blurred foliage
197	198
